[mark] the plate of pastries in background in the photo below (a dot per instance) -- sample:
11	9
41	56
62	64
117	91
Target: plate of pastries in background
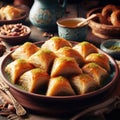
107	23
11	14
58	76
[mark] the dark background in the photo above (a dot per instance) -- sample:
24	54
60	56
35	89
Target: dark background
101	2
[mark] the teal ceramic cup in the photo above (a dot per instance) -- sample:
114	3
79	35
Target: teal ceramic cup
68	31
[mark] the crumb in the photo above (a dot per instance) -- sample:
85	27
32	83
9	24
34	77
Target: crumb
46	34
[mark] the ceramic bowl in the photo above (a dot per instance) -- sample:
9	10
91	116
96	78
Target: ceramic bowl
100	30
67	29
112	47
59	105
15	39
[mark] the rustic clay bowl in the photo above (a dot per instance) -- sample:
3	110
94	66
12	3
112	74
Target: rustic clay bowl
15	40
60	105
14	21
102	30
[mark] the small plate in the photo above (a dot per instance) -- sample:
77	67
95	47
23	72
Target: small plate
111	47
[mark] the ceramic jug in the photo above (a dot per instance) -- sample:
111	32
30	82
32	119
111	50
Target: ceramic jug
45	13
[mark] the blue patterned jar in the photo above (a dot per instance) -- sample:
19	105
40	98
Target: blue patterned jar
45	13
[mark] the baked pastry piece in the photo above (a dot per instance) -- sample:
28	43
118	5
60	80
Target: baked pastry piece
17	68
84	83
65	66
85	48
100	59
69	52
43	59
25	51
10	12
59	86
96	71
2	15
56	43
34	80
107	11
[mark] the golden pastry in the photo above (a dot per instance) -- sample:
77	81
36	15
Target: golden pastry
56	43
100	59
17	68
69	52
59	86
65	66
96	71
84	83
43	59
107	11
25	51
34	80
10	12
85	48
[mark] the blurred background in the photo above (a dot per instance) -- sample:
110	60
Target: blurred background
86	2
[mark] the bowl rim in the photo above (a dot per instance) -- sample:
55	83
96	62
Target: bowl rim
12	37
106	49
90	94
70	18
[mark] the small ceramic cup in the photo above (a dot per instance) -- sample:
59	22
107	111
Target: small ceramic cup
111	47
68	29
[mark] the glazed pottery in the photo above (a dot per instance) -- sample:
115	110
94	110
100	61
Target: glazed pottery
68	31
111	47
44	13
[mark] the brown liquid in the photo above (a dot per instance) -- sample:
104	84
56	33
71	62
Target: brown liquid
70	23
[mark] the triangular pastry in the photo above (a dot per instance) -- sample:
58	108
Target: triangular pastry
65	66
34	80
56	43
96	71
43	59
17	68
100	59
69	52
83	83
59	86
85	48
25	51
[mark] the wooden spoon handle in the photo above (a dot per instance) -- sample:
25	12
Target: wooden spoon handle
86	20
